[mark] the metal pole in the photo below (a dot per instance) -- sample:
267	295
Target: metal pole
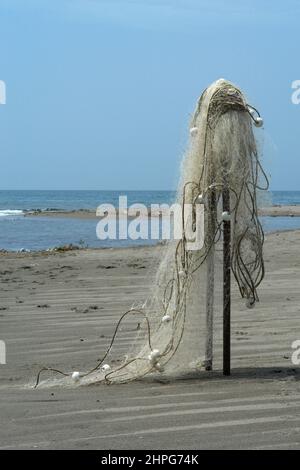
210	282
226	283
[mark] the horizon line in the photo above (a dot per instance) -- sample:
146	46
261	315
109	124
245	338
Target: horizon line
119	190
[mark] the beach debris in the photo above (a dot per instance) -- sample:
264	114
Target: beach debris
63	248
107	266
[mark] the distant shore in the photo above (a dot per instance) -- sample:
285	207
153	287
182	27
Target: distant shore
272	211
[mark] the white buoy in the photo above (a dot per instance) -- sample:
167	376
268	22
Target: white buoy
105	368
76	376
226	216
231	91
159	367
166	319
181	274
153	356
193	131
258	122
200	199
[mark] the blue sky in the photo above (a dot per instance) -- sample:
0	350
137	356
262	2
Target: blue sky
100	93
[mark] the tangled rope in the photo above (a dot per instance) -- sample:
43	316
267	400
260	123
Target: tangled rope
223	156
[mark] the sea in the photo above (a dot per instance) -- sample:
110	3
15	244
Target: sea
31	233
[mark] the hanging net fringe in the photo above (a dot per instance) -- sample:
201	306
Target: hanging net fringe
174	334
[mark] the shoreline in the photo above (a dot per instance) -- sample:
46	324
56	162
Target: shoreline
272	211
66	249
78	249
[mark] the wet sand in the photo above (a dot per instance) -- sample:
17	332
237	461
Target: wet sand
60	309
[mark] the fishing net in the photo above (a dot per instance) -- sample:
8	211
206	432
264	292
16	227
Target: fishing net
176	322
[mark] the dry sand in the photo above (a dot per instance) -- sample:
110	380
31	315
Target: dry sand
60	309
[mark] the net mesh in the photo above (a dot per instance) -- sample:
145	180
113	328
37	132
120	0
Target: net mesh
176	321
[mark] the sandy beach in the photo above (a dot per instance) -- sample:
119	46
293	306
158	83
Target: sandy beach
60	309
149	229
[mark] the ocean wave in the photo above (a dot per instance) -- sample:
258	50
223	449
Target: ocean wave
10	212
